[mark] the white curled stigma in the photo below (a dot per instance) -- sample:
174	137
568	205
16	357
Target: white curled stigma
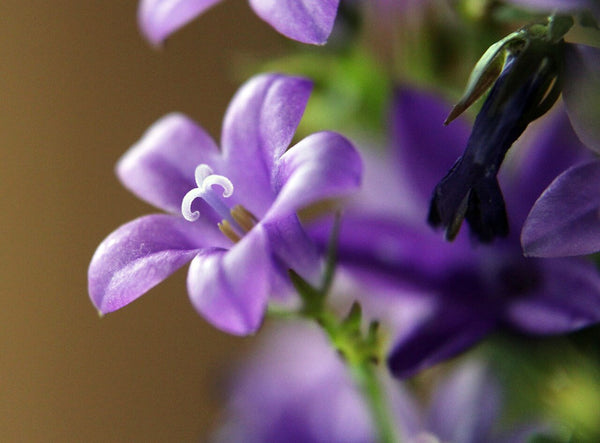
205	180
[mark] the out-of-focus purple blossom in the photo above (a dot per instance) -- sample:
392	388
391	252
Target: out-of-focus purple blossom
231	212
461	291
295	388
307	21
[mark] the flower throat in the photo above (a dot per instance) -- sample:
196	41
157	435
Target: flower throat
236	221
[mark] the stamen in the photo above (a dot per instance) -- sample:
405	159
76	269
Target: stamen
205	180
244	218
226	228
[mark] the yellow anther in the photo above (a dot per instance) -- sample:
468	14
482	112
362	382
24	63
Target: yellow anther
226	228
244	218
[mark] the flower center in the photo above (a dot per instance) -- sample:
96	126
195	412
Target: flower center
236	221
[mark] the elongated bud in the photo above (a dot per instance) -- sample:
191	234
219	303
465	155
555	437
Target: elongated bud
492	62
487	70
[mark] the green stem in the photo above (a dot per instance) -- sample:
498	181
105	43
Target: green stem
360	351
363	369
365	377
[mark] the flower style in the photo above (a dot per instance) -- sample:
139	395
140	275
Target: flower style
296	388
307	21
230	212
462	291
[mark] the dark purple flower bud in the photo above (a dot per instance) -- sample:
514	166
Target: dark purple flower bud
528	86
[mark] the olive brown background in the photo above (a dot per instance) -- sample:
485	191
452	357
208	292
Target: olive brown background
78	86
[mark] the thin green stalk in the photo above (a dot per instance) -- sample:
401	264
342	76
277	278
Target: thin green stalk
360	351
358	356
365	377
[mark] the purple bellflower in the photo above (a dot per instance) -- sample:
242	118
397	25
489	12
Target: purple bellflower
307	21
296	388
462	291
231	212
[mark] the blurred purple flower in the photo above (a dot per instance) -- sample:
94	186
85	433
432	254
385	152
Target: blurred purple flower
295	388
230	212
461	291
307	21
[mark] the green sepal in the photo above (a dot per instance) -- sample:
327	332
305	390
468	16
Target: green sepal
558	26
353	320
487	70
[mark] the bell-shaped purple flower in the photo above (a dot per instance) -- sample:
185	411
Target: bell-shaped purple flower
295	388
231	212
460	291
307	21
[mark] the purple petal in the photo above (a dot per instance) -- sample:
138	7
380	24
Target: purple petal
308	21
141	254
159	18
466	406
385	251
565	220
569	299
159	168
321	166
293	248
231	288
424	148
450	330
581	92
258	127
